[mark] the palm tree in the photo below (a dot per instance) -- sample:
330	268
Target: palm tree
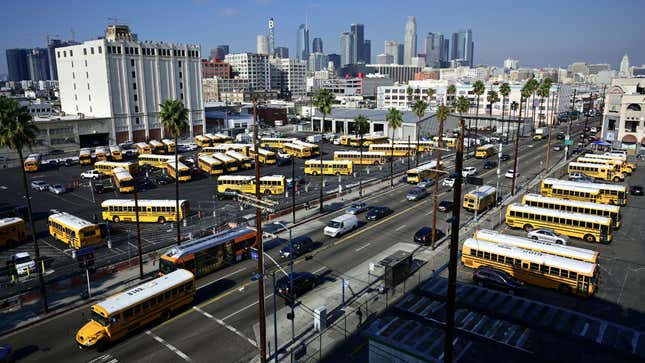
526	93
504	90
462	105
361	127
419	109
442	114
451	91
409	92
492	97
478	89
532	86
17	131
173	116
324	99
394	119
543	91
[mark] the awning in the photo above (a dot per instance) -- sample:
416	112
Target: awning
629	138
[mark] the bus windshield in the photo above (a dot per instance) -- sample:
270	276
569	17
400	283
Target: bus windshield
99	319
166	267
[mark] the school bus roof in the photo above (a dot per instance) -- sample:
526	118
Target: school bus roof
237	155
205	243
357	153
223	157
142	202
85	152
560	214
483	191
208	159
155	143
315	162
586	268
70	220
590	165
141	144
573	203
617	187
576	188
9	221
430	165
121	173
114	148
133	296
168	142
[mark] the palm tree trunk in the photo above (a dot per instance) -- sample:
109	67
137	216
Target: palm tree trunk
517	144
477	120
436	183
177	189
360	165
39	263
503	104
392	159
322	175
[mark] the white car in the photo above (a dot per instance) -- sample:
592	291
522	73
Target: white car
91	174
24	263
468	171
548	235
189	147
448	182
510	172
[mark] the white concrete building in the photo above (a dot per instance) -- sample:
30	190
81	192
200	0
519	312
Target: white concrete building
511	64
262	44
317	61
624	114
252	67
125	80
289	76
396	96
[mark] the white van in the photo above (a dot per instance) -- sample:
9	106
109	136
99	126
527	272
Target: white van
24	264
341	225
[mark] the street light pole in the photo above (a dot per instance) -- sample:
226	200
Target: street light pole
293	328
293	190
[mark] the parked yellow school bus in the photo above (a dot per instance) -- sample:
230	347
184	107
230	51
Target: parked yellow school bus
399	149
598	171
74	231
12	231
170	146
118	315
361	158
100	154
32	162
329	167
157	147
270	184
107	167
480	199
575	206
150	210
143	148
184	171
592	192
210	165
115	153
123	180
85	156
245	162
203	141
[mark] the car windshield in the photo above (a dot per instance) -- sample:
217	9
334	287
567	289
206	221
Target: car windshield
357	205
23	259
334	224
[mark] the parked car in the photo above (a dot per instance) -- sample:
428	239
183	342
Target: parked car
468	171
100	188
23	263
189	147
548	235
416	193
424	235
301	245
445	206
490	164
39	185
510	172
5	353
357	208
557	147
376	213
341	225
92	174
302	282
164	179
426	183
145	183
497	279
448	182
57	189
505	157
299	181
580	177
636	190
560	136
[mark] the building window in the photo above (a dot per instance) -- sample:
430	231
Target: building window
134	86
87	75
132	62
84	51
136	108
74	86
70	53
634	107
85	62
631	126
90	109
65	53
135	97
180	74
136	51
72	62
118	50
612	125
75	97
133	75
127	50
89	98
181	85
100	51
136	120
92	50
73	75
179	63
181	96
58	54
88	86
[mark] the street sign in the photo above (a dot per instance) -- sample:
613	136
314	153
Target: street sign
568	142
474	180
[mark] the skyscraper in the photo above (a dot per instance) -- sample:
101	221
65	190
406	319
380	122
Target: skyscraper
346	48
462	46
271	36
220	52
434	49
38	63
262	44
335	59
395	50
281	52
624	67
317	46
367	51
445	52
302	43
358	39
410	40
17	64
399	54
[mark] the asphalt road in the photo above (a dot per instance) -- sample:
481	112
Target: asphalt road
230	298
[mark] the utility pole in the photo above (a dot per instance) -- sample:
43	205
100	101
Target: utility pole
442	113
517	145
454	246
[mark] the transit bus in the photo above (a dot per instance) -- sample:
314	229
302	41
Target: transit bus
120	314
230	164
264	156
184	174
157	147
245	162
203	141
422	146
361	158
480	199
606	193
563	274
297	150
150	210
107	167
85	156
12	231
143	148
314	149
424	171
100	154
576	253
157	161
485	151
270	184
394	149
275	142
597	171
210	165
170	145
328	167
74	231
115	153
617	166
577	225
575	206
123	180
210	253
32	163
625	167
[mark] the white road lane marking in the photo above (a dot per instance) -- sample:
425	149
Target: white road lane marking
222	278
320	269
105	358
231	328
244	308
363	246
400	227
172	348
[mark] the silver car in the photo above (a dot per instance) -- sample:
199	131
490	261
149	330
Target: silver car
357	208
57	189
548	235
39	185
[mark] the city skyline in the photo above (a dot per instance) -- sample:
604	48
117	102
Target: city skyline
569	37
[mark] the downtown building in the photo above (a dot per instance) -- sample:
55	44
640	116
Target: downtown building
623	122
289	77
121	82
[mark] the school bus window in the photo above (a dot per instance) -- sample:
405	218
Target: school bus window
573	275
480	254
127	313
544	269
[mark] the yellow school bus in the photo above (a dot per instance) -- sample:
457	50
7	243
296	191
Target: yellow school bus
210	165
107	167
364	158
157	161
223	148
394	149
371	139
598	171
203	141
480	199
115	153
564	274
170	146
150	210
297	150
184	171
85	156
74	231
424	171
270	184
591	192
314	149
348	139
120	314
143	148
157	147
123	180
329	167
485	151
264	156
245	162
623	166
447	141
32	163
230	164
422	146
276	142
100	154
576	206
12	231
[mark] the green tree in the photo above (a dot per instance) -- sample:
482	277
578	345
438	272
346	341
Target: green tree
394	119
323	100
543	91
361	127
524	94
504	90
409	91
173	117
451	91
18	131
419	108
531	86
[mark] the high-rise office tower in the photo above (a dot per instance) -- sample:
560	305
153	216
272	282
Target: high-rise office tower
271	36
347	50
281	52
410	40
38	63
367	51
434	49
262	44
462	46
302	43
445	52
334	59
17	64
220	52
399	54
624	70
358	39
393	48
317	46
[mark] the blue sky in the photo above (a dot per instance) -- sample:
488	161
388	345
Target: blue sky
547	32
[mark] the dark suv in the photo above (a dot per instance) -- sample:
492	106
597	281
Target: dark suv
302	282
424	235
489	164
301	245
496	279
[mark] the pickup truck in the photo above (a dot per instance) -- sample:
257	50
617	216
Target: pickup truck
92	174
